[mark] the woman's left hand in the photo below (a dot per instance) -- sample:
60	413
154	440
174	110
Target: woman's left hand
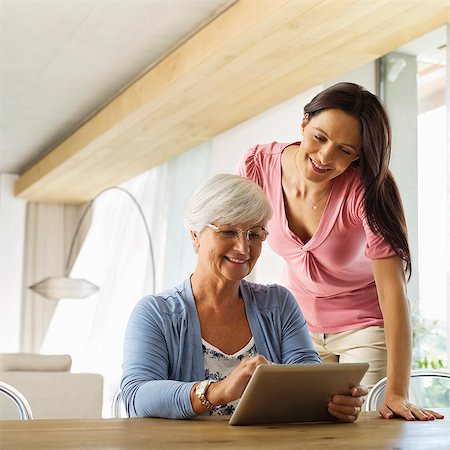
346	408
399	406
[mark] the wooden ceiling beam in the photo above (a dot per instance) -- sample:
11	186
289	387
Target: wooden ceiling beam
254	56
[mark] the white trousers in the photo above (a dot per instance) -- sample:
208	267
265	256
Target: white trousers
360	345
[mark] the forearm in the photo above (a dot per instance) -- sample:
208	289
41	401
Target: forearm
159	398
397	327
391	288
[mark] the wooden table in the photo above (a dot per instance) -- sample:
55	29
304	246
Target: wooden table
369	432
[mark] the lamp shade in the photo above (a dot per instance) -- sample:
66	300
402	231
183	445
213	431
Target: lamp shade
55	288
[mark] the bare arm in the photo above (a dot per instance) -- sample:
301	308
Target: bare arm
391	288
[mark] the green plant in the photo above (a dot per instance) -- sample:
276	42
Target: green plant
429	343
426	363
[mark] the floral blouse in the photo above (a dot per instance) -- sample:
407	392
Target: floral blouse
219	365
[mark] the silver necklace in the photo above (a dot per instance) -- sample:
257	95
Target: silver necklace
316	204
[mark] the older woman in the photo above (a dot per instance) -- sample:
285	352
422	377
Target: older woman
193	349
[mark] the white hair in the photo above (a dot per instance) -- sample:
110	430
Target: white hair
227	199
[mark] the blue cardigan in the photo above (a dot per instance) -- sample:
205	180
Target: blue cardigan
163	356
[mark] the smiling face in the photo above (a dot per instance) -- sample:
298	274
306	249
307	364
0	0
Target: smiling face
226	259
331	142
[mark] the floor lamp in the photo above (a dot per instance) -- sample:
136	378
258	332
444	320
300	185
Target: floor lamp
55	288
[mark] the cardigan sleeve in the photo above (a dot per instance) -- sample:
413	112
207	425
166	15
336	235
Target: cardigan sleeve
146	389
278	325
296	344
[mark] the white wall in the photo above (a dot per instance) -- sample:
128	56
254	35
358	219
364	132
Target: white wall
280	123
12	233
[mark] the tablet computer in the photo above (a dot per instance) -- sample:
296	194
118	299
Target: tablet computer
281	393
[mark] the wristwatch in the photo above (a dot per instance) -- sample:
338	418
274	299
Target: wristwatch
200	392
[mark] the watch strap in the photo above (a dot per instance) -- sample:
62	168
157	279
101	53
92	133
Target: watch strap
200	392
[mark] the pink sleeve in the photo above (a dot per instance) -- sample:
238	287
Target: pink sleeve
249	166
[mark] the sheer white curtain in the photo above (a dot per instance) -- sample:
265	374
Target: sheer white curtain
115	257
49	231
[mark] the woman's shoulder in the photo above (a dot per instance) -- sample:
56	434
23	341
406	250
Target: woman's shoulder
170	301
266	295
260	152
352	186
260	160
353	176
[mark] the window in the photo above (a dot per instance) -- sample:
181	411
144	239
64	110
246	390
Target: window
431	317
413	87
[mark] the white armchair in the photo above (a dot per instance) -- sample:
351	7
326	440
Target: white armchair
52	391
8	393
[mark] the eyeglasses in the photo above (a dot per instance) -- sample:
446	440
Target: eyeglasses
254	235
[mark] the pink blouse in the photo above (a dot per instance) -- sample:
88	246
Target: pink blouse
331	275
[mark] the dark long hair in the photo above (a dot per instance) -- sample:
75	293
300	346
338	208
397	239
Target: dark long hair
382	201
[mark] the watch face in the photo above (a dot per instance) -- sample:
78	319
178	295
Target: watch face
201	387
200	392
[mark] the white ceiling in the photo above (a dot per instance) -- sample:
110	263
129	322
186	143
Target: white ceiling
61	61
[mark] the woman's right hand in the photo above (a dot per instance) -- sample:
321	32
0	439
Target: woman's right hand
232	387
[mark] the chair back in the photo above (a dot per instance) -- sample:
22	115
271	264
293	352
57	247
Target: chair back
52	390
428	388
18	399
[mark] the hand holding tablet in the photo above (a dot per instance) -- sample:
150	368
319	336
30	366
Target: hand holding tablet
283	393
